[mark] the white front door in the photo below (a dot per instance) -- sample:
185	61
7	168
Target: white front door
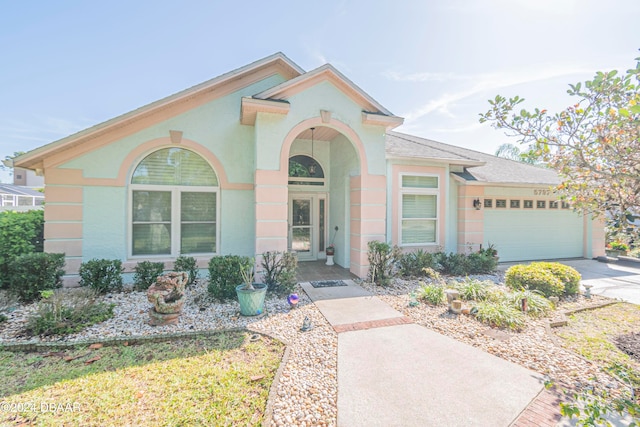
307	219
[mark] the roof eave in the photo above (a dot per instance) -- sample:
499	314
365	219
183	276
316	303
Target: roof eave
34	158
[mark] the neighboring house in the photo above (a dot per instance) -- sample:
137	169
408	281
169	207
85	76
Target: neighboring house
18	198
270	157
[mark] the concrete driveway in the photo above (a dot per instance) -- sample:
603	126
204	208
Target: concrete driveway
614	280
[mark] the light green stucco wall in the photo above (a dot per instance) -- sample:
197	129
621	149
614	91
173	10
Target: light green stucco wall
272	129
217	127
104	222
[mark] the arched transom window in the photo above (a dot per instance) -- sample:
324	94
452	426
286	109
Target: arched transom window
174	205
304	170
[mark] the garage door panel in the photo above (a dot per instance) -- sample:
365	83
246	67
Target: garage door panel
520	235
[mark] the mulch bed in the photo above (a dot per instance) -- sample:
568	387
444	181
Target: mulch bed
630	344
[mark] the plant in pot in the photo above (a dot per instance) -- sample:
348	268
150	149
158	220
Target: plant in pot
331	250
621	247
250	294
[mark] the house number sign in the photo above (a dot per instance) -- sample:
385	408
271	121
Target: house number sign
538	192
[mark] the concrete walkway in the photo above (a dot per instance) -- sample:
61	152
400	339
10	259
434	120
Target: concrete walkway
395	373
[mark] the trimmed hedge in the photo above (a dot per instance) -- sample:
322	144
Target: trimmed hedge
569	277
189	265
20	233
548	278
146	273
31	273
224	275
102	275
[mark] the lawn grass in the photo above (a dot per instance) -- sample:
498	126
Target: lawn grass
591	333
219	380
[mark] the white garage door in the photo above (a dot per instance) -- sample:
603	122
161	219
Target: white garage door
522	234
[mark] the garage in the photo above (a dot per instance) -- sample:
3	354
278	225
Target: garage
523	230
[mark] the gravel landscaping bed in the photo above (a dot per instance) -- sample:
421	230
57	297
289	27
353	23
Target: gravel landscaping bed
535	347
305	393
307	390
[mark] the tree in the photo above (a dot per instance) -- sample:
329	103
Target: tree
513	152
7	163
593	144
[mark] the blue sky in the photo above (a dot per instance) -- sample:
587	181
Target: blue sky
68	65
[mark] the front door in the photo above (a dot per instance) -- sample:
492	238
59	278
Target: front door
307	225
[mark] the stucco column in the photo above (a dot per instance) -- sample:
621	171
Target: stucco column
368	218
271	195
470	219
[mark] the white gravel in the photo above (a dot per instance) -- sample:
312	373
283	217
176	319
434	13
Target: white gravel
306	394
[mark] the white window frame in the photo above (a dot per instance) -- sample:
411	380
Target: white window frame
176	222
419	191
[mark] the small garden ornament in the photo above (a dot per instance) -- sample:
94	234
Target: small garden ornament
167	297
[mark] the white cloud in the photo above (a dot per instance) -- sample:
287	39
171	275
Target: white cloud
489	82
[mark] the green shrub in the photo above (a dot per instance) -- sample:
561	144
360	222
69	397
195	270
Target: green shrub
60	314
225	275
20	233
189	265
550	278
472	289
382	259
3	318
532	277
412	264
482	262
146	273
500	315
280	269
102	275
433	294
31	273
458	264
537	304
569	277
453	264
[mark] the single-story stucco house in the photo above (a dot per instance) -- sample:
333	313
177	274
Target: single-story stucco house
270	157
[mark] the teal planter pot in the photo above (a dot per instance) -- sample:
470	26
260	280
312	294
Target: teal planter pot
251	300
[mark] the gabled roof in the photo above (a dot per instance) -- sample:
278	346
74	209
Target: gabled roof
323	73
277	61
487	168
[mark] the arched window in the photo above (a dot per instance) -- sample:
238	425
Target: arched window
304	170
174	205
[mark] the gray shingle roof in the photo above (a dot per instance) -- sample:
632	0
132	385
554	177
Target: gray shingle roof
479	166
18	190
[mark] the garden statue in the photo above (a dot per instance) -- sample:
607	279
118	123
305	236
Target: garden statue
167	296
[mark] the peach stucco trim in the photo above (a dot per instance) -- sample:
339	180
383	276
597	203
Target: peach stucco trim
368	222
136	121
58	194
395	200
598	236
62	230
251	107
341	127
470	236
63	213
75	176
70	247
